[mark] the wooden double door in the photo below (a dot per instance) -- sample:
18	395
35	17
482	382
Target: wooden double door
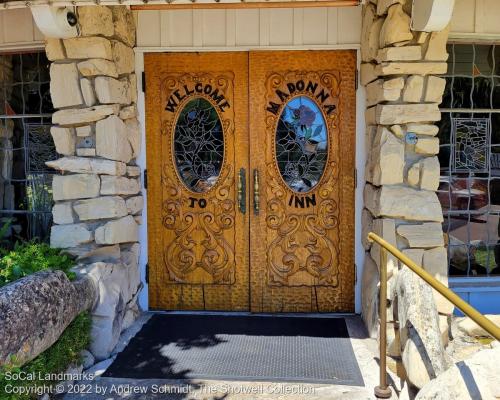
250	159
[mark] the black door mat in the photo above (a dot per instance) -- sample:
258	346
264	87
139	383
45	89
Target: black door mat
242	348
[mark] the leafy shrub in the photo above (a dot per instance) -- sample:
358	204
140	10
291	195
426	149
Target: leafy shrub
56	359
30	257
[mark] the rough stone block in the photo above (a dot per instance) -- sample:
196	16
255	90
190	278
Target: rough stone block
100	207
135	204
87	92
84	131
414	88
112	139
403	203
88	47
112	185
369	296
64	85
386	229
54	49
390	114
133	170
88	165
124	57
370	33
83	116
383	5
79	186
85	152
97	66
430	173
64	236
122	230
110	90
368	73
435	49
134	136
128	112
396	28
124	23
404	53
423	129
64	140
386	159
435	89
95	20
427	145
377	93
62	213
435	262
426	235
410	68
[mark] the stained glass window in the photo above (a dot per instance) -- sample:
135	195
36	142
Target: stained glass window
199	145
301	144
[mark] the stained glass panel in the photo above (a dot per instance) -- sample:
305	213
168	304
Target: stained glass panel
301	144
470	144
199	145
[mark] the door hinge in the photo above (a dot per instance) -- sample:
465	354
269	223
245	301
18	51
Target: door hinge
143	81
355	178
147	273
145	178
356	79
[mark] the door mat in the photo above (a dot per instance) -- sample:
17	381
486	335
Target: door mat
242	348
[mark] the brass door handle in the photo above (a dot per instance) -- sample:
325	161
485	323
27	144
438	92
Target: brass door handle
242	191
256	192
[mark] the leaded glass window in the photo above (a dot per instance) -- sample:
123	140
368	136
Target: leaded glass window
199	145
469	155
301	144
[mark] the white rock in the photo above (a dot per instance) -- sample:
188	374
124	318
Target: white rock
403	202
62	213
64	236
100	207
85	152
78	186
135	204
472	379
113	185
64	140
87	92
435	262
88	165
122	230
112	139
110	90
426	235
83	116
97	66
88	47
64	85
95	20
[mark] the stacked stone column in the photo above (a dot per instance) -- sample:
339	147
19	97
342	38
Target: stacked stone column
98	205
399	68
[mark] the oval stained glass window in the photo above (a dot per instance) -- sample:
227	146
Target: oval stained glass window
301	144
198	145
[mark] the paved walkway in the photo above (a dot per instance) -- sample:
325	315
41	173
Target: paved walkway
365	350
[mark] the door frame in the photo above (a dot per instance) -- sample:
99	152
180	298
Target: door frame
360	153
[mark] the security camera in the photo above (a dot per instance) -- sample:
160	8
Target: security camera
55	22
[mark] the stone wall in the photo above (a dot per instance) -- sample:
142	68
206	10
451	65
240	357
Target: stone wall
399	69
98	204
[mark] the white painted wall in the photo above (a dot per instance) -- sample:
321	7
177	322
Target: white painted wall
253	29
18	31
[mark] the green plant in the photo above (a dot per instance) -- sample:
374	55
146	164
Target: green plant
56	359
30	257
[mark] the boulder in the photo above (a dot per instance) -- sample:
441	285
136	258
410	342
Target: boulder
97	66
100	208
64	140
118	285
422	354
95	20
122	230
469	327
83	116
79	186
65	236
472	379
88	165
35	310
65	85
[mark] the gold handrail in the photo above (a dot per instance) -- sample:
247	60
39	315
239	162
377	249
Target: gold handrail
383	390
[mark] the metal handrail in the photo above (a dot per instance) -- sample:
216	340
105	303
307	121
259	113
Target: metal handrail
383	390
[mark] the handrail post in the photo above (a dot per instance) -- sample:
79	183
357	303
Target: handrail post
383	391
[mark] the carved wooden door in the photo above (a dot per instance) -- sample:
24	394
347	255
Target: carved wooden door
197	142
302	133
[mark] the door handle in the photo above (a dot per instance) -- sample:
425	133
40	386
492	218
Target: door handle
242	191
256	192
